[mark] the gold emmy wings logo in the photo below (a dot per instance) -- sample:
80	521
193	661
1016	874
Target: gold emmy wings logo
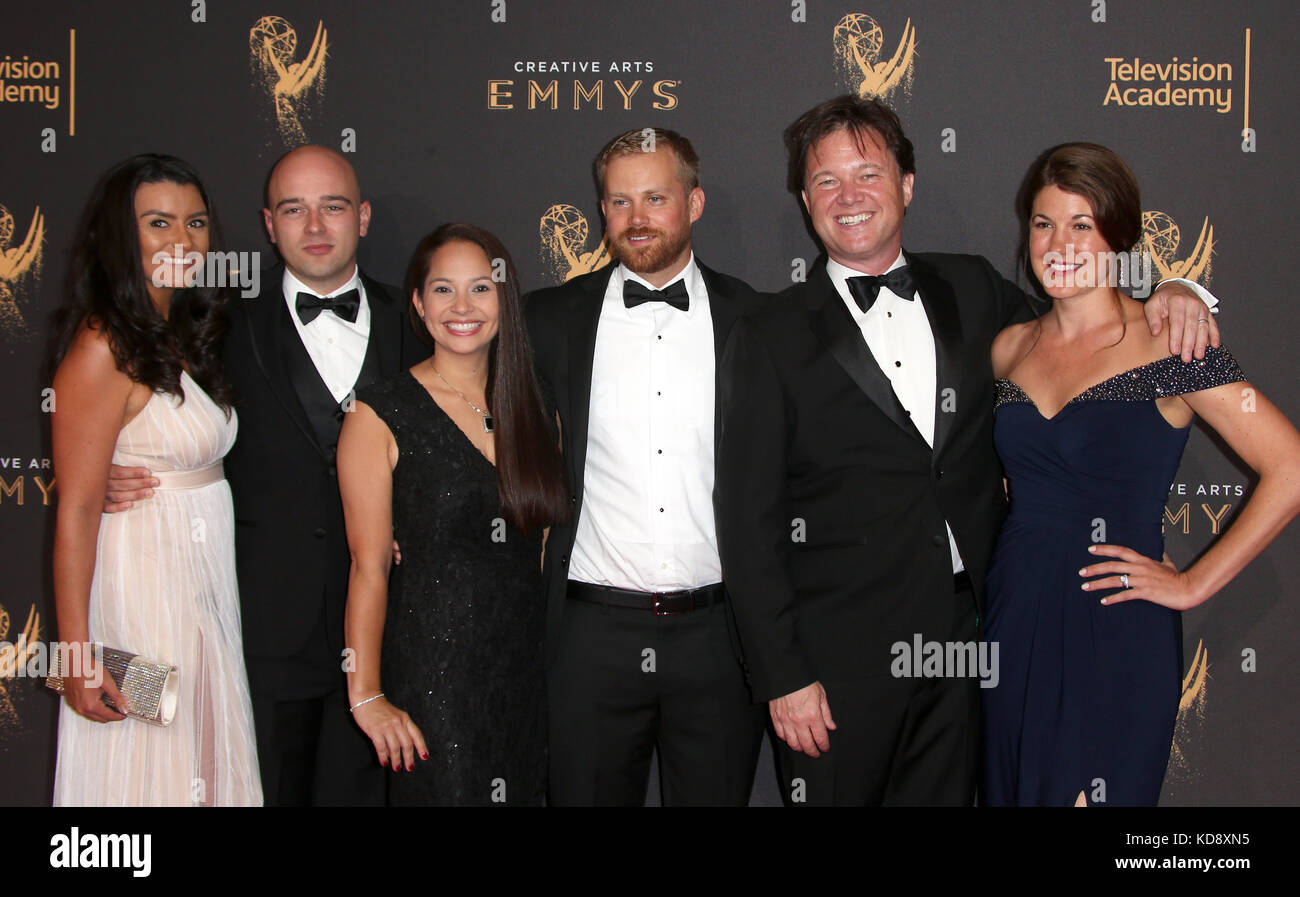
563	231
293	86
1191	713
17	265
858	43
14	653
1161	238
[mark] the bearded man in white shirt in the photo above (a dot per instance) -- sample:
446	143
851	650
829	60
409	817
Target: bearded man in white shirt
641	652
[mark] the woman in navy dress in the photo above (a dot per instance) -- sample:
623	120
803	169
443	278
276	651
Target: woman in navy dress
1091	420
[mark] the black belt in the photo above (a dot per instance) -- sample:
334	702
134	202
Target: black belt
661	604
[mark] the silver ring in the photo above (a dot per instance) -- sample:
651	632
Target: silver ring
1202	320
1123	578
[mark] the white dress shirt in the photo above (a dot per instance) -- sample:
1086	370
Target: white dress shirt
647	507
337	347
897	331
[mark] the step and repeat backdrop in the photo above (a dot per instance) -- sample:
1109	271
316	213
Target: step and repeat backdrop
490	111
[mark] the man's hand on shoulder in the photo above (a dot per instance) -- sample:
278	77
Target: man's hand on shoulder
126	486
1191	326
802	718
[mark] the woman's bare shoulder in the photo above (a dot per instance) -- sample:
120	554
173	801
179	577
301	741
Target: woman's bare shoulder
1011	345
91	356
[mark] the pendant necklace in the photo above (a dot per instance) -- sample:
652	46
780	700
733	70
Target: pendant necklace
487	417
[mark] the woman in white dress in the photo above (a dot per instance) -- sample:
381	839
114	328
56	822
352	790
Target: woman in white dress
138	382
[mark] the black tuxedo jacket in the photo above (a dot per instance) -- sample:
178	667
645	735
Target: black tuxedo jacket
831	505
562	325
291	549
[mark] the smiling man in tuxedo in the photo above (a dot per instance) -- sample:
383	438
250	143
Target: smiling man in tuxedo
858	490
639	646
295	354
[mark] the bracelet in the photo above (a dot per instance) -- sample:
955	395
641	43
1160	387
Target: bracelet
365	702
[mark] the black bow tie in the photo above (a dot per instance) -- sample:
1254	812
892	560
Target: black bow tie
345	305
866	288
674	294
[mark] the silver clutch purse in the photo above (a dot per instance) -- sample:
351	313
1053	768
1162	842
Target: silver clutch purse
151	688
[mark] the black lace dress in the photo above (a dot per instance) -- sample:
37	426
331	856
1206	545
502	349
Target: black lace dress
462	647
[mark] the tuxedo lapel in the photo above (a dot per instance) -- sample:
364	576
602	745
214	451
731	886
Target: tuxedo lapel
588	297
724	309
940	304
269	327
385	328
832	324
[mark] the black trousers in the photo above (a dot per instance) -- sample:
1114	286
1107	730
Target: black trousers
309	751
625	682
897	741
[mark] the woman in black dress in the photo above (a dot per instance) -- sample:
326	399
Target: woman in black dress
457	460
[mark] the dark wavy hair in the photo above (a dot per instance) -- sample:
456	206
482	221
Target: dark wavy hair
847	112
530	473
108	289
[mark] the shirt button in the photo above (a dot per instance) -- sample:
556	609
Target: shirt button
659	337
330	340
661	510
898	364
661	451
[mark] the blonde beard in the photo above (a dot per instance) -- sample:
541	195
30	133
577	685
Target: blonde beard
654	258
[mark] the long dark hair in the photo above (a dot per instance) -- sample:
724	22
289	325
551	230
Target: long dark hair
108	289
530	473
